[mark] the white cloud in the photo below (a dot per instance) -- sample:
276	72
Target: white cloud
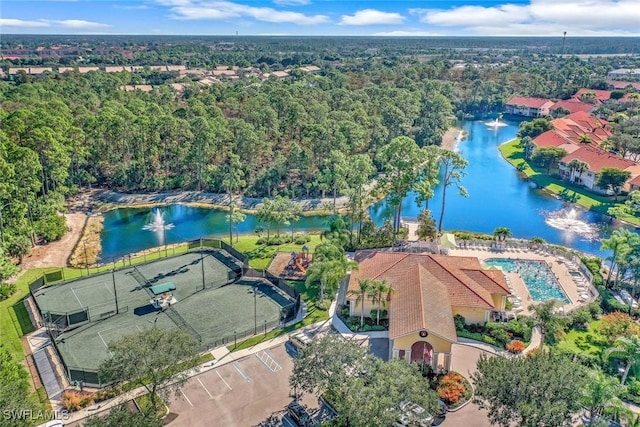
80	24
371	17
292	2
6	22
225	10
540	17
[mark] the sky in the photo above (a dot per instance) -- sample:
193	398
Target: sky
323	17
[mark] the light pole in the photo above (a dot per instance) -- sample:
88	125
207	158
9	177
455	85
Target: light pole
1	224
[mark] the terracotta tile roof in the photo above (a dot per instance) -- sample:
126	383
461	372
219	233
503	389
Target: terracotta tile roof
528	102
619	84
597	159
427	307
601	95
572	105
549	138
427	287
635	181
488	279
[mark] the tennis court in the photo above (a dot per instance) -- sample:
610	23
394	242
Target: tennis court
211	303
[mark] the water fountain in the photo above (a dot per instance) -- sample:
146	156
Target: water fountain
568	220
157	223
494	124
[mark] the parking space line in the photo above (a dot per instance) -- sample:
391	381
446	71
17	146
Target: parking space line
185	396
239	369
225	383
205	389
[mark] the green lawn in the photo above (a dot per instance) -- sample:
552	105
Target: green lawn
514	154
589	341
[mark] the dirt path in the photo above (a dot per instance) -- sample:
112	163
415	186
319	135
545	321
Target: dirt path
55	254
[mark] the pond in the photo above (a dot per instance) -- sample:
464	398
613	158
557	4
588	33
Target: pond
498	197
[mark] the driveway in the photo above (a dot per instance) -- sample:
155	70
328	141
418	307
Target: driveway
464	359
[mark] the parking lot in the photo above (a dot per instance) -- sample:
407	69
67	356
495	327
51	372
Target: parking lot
243	393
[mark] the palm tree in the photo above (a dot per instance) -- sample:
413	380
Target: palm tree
379	293
502	233
599	394
365	286
619	244
628	349
329	272
579	166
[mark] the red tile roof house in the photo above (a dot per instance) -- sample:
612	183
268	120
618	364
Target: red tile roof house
596	159
528	107
428	291
599	96
570	105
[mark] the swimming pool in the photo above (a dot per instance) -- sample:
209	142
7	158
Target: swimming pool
536	275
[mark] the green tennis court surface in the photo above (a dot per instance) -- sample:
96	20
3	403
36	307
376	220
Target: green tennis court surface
213	304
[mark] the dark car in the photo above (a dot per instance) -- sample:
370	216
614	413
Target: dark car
299	415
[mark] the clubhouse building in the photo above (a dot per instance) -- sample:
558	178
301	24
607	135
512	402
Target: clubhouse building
428	291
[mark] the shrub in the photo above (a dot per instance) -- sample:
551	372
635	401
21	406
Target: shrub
515	347
610	304
323	304
459	321
383	314
301	239
451	388
580	317
73	400
6	290
500	336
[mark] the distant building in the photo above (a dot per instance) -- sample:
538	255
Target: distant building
572	106
624	73
528	107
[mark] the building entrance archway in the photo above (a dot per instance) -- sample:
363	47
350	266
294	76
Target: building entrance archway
422	352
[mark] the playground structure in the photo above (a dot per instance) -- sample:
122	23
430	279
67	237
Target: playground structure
299	261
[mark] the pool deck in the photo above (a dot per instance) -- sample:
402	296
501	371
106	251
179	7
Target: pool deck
557	265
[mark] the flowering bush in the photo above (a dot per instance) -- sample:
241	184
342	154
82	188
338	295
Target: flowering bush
515	347
75	400
451	388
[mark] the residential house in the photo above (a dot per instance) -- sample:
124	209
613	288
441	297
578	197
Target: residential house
624	73
428	291
577	126
570	105
618	84
597	96
596	159
114	69
133	88
528	107
84	70
310	69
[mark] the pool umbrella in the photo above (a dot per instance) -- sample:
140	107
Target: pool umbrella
448	241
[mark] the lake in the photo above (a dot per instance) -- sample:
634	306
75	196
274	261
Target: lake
498	197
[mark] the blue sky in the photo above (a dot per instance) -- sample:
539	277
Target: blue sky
323	17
